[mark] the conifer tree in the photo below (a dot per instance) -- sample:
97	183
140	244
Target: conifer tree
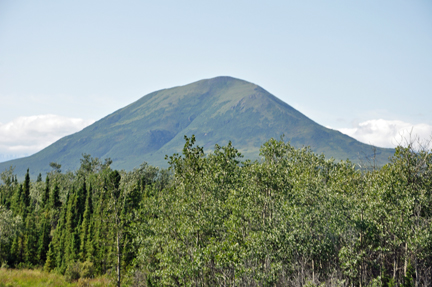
72	249
90	247
46	194
17	200
73	227
69	228
71	216
30	240
83	198
39	178
99	244
26	189
59	239
13	251
59	242
80	201
50	262
44	239
55	197
16	251
86	225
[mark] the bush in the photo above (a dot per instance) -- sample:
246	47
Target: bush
139	280
87	269
77	270
73	272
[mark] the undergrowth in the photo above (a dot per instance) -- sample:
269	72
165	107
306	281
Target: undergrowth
39	278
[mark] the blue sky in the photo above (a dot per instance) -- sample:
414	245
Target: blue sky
363	67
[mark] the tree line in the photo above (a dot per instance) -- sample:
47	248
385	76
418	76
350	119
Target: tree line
293	218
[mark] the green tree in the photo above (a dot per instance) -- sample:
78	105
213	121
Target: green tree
85	227
50	261
55	197
10	227
30	240
44	239
56	168
116	205
46	194
26	190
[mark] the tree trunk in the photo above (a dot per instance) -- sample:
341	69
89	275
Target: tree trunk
313	272
406	257
394	267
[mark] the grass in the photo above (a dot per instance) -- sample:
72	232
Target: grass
39	278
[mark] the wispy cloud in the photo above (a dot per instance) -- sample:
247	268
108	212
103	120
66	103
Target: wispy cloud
27	135
385	133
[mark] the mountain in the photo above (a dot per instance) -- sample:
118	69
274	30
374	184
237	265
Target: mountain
215	110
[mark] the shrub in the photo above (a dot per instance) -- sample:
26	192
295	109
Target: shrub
73	272
87	269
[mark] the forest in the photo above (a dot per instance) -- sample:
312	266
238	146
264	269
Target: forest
293	218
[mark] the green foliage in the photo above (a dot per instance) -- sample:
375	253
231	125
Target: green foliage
294	218
73	272
50	258
56	167
46	194
30	241
10	228
87	269
26	190
86	232
408	280
54	198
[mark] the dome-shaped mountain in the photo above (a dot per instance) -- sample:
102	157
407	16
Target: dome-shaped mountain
215	110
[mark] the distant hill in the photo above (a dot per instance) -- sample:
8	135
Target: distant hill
215	110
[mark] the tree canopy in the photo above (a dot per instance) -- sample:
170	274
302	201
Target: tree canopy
293	218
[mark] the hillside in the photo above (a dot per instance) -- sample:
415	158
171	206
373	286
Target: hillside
215	110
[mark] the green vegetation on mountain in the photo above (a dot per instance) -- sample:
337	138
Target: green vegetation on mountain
216	110
292	219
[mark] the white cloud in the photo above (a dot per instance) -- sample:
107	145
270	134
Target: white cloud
26	135
385	133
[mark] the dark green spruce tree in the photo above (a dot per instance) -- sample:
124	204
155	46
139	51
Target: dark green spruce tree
26	193
54	200
46	194
85	227
50	262
30	240
17	204
44	238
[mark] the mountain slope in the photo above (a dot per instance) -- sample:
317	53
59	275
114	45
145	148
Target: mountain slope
215	110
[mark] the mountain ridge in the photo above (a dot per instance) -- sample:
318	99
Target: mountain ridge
216	110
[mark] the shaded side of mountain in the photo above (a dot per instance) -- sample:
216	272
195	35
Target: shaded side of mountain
216	110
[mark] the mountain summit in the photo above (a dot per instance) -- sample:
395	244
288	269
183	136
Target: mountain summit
215	110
